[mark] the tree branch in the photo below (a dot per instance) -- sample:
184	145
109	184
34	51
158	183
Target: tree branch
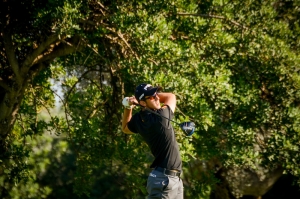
30	59
79	79
120	35
11	56
67	114
64	48
213	16
4	85
93	112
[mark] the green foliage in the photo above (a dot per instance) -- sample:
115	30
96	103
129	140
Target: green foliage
234	67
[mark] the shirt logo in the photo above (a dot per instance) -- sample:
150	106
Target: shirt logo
152	175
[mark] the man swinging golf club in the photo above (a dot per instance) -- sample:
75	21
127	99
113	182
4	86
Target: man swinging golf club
164	180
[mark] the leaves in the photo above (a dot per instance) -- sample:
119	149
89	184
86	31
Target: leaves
233	67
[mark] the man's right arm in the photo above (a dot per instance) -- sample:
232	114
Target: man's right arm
127	115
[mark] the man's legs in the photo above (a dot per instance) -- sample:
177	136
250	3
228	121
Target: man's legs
161	186
180	190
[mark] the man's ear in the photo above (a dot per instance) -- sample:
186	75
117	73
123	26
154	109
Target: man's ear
143	103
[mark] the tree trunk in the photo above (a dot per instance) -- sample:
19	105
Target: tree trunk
14	79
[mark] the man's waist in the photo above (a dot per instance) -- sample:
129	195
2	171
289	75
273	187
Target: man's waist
171	172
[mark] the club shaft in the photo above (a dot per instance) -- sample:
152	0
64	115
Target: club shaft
156	113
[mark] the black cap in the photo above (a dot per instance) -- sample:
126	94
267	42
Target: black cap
144	90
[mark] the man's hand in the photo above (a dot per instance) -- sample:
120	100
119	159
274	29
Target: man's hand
128	102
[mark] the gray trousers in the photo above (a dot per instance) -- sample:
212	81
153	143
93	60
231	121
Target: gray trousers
161	186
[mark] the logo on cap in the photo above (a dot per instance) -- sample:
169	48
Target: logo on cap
142	95
148	85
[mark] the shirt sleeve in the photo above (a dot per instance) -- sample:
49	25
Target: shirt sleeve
166	112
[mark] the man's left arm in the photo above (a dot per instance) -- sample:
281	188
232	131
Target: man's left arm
168	99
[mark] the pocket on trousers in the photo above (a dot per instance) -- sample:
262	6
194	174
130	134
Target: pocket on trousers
165	183
173	183
156	185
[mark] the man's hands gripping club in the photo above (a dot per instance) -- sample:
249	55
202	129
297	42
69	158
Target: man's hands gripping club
128	102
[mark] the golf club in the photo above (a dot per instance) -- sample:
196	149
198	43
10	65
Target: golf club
187	127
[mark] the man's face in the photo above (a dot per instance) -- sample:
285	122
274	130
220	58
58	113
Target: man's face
153	101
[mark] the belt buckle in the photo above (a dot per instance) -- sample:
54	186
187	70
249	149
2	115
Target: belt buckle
172	172
177	173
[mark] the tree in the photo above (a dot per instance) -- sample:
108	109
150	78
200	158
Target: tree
232	66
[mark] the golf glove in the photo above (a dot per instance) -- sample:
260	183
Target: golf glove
126	104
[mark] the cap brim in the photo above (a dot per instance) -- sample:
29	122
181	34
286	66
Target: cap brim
153	90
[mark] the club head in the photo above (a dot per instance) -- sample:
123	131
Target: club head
188	128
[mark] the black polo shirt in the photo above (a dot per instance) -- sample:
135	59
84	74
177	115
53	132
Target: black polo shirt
159	135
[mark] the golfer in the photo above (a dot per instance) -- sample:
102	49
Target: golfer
164	180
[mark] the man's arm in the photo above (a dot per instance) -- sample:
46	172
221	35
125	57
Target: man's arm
126	118
168	99
127	115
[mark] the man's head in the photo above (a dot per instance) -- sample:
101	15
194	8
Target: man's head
147	96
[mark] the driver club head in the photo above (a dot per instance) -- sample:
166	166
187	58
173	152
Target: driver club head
188	128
